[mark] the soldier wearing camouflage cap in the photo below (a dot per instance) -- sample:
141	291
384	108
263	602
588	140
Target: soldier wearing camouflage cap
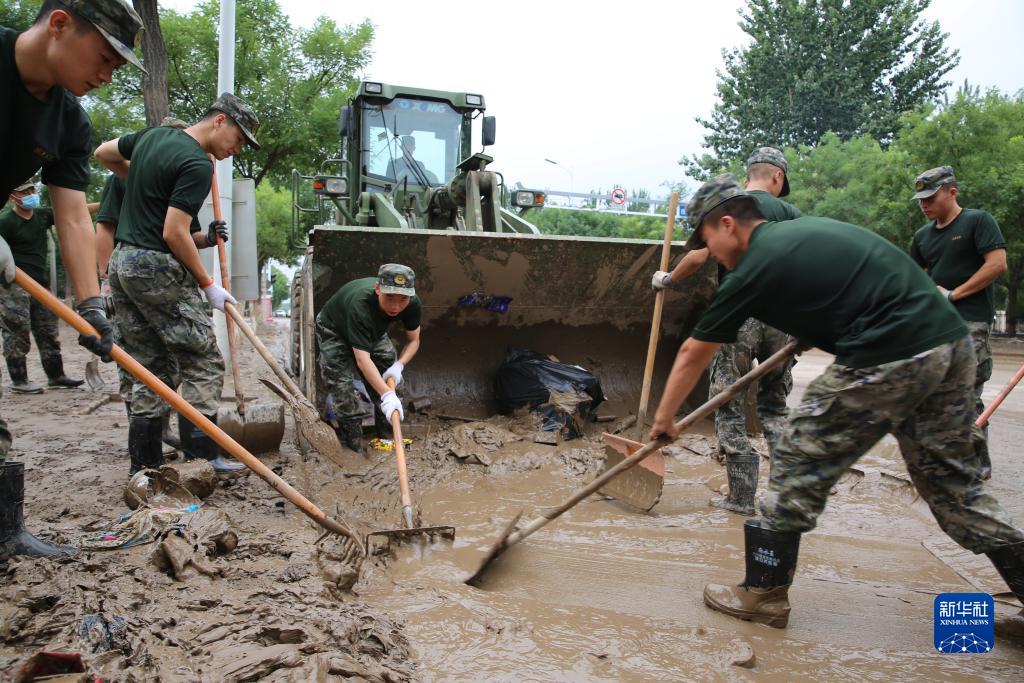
352	337
72	48
964	252
766	180
156	274
904	365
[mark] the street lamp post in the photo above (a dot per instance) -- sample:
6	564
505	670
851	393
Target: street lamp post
567	170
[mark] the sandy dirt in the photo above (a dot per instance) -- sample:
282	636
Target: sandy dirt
604	593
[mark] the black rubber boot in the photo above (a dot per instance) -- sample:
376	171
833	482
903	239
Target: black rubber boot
763	596
54	368
14	538
351	434
381	425
197	445
144	446
1009	562
742	473
19	378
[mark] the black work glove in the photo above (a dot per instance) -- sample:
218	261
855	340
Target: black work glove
216	228
92	310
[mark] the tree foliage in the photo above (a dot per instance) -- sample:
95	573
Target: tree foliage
819	66
296	80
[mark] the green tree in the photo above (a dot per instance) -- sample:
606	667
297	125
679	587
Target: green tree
296	80
815	66
282	287
18	14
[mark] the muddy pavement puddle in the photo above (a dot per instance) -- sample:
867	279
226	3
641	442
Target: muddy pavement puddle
603	593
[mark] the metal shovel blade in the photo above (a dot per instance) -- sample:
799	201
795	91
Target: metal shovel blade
317	433
260	430
497	548
92	375
640	486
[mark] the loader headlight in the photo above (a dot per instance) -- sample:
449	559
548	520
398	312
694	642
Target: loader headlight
373	88
330	185
527	199
474	100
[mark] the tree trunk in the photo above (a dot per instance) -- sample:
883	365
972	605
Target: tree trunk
154	57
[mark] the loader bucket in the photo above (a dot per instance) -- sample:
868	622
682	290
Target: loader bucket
586	301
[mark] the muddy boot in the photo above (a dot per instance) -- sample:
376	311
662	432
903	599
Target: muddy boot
19	378
742	473
14	538
197	445
144	447
350	433
1009	562
166	435
763	596
54	368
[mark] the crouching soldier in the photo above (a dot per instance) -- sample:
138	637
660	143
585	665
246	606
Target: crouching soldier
352	335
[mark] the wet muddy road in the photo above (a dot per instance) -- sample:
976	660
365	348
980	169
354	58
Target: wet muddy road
604	593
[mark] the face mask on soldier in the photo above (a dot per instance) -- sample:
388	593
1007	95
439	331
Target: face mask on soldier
29	201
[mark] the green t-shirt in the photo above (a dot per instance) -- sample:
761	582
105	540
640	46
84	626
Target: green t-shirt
772	208
111	200
953	254
354	314
839	287
27	239
168	168
52	135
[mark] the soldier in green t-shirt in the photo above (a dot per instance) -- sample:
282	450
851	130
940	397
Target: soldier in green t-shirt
904	366
767	180
353	342
156	274
25	227
964	252
72	48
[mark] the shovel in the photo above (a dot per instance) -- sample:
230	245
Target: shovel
642	487
261	428
510	535
410	531
92	375
983	419
333	525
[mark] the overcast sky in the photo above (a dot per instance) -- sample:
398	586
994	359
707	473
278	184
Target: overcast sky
609	90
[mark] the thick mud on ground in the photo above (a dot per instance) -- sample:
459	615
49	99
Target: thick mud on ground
603	593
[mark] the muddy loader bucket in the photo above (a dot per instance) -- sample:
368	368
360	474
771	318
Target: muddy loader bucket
586	301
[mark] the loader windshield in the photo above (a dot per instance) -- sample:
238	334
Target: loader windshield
411	140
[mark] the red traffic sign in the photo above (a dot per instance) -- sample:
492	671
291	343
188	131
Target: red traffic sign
618	196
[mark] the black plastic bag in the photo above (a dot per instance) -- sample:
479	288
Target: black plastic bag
560	392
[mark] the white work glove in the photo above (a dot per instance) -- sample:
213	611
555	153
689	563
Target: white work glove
661	280
6	262
948	293
394	371
389	403
217	295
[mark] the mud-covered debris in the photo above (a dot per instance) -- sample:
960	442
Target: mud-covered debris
206	533
338	561
196	476
741	653
102	633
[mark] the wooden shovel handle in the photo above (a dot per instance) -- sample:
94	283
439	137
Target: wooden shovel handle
225	282
261	348
56	306
659	304
403	472
1003	393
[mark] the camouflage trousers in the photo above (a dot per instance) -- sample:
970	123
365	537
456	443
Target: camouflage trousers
983	352
926	402
754	341
22	315
338	370
162	321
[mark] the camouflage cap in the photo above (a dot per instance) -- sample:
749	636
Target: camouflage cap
173	122
770	155
710	196
241	113
116	21
27	185
929	182
394	278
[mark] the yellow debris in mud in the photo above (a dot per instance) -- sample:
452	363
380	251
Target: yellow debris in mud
386	444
